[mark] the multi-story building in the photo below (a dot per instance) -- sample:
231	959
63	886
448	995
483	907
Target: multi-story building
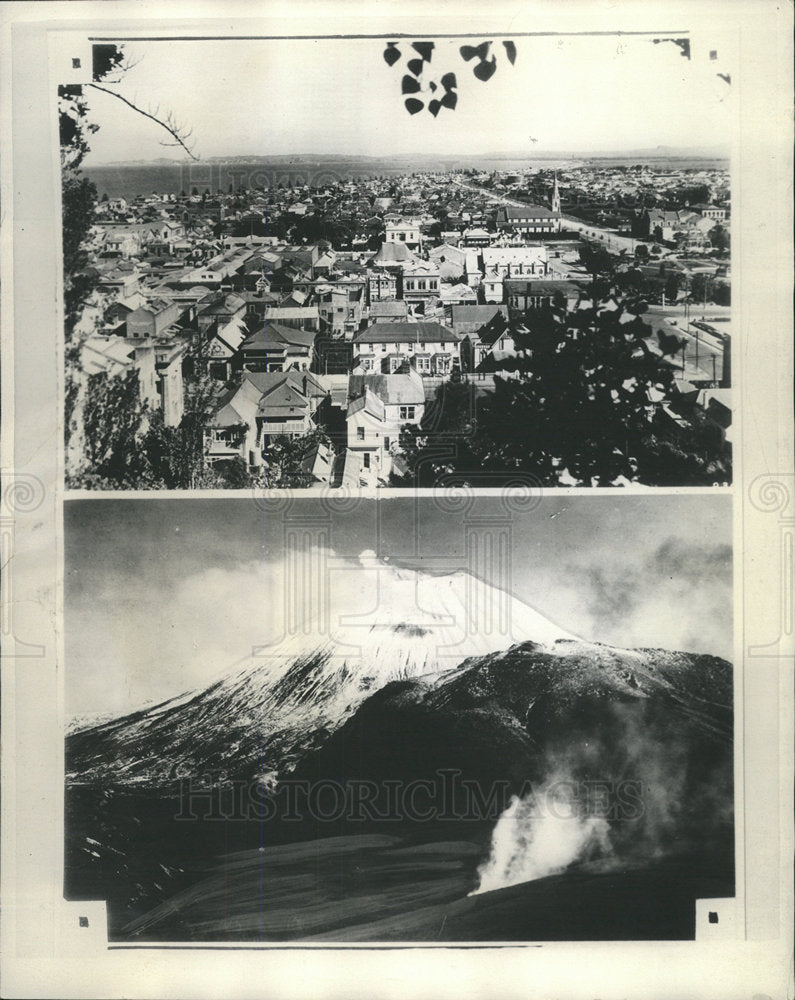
386	348
379	405
278	348
420	281
403	231
264	405
528	219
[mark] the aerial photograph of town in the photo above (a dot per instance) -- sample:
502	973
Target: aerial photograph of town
317	300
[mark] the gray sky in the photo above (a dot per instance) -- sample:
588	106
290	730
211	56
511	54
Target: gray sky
339	96
163	595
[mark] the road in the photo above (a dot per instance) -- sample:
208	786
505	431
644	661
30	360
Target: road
703	353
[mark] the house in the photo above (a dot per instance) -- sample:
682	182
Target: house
512	262
395	311
394	256
100	353
450	260
475	237
522	294
405	231
468	319
340	307
300	317
457	295
115	356
379	405
278	348
381	285
288	404
492	286
319	463
528	218
224	346
420	282
265	404
231	432
222	311
491	341
119	281
385	348
152	320
715	212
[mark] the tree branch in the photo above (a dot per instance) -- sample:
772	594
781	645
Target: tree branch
169	125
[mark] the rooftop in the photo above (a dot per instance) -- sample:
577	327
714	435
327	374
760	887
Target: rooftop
394	333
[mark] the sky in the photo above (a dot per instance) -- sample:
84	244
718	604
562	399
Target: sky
164	596
339	96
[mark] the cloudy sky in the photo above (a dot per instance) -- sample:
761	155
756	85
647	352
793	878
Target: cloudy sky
564	93
163	596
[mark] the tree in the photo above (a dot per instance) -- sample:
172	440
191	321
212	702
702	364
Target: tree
442	442
112	418
673	283
600	264
719	238
284	458
176	454
577	408
105	411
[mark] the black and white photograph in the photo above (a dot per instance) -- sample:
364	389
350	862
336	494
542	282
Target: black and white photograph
397	509
457	719
435	260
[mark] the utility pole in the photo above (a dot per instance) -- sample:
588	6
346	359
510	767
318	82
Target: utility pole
697	332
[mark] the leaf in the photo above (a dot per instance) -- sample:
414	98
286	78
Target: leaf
391	54
449	100
425	49
471	51
448	81
409	85
510	50
413	105
485	70
434	107
415	65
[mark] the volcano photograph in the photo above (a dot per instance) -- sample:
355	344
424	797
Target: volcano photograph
436	719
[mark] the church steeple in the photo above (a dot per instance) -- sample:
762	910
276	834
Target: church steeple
555	196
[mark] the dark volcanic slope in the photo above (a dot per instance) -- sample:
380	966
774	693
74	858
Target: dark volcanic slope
494	712
576	712
594	714
499	715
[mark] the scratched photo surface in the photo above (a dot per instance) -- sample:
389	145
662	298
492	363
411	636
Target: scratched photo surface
367	262
449	719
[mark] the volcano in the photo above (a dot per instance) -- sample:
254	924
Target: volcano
267	714
428	679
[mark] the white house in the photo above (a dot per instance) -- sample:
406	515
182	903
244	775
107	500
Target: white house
386	348
528	218
403	231
379	405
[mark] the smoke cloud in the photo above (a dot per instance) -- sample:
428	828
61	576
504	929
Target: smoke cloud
663	785
539	835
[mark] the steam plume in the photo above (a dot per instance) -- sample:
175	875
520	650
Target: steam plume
539	835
